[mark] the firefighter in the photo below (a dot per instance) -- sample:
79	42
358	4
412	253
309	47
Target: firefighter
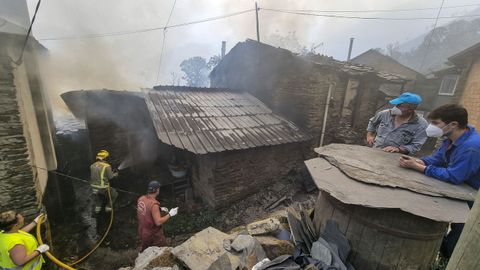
100	175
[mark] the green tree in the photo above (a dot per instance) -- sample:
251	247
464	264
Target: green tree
196	71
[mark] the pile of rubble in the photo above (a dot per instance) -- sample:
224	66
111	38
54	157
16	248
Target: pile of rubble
284	242
296	191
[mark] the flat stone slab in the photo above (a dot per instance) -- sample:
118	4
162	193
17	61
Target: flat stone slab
331	180
205	251
374	166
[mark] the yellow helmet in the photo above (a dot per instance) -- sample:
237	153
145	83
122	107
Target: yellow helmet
102	154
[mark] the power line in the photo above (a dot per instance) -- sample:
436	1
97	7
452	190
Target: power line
163	40
377	10
121	33
430	37
368	18
20	58
288	11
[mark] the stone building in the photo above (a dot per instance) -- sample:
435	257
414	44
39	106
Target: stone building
26	145
384	63
456	83
467	84
439	88
229	144
299	88
380	62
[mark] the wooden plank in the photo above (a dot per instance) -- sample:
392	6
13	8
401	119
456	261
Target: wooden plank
465	255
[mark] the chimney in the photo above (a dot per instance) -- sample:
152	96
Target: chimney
224	45
350	49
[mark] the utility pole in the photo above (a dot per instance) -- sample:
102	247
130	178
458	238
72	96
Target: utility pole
350	49
465	255
258	28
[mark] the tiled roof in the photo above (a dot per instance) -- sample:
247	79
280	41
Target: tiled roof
208	120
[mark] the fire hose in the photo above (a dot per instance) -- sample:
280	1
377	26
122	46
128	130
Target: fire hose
64	265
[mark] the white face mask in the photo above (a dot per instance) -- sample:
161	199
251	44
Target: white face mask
395	111
434	131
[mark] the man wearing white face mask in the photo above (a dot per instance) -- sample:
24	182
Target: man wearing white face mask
457	160
400	129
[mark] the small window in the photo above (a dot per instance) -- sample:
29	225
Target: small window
449	83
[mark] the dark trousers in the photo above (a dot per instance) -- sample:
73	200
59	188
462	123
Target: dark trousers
100	198
450	240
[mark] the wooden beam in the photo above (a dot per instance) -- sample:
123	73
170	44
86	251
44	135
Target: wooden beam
465	255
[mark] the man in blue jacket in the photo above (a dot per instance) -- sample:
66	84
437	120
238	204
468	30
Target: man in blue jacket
457	160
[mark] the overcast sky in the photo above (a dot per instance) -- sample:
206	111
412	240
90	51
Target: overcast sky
131	61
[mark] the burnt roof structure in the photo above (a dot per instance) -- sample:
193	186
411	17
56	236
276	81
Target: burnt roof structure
385	63
209	120
353	69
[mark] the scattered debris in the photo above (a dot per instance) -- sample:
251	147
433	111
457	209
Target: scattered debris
261	245
154	257
256	206
275	247
265	226
321	252
275	204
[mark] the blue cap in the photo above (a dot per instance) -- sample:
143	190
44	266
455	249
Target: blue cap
407	98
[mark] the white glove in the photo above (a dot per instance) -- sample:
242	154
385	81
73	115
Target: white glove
43	248
38	217
164	209
173	212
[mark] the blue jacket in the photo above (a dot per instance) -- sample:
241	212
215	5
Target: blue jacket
458	164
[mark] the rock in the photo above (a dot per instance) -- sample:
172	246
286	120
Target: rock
205	251
274	247
151	255
242	242
263	226
227	244
126	268
321	252
252	250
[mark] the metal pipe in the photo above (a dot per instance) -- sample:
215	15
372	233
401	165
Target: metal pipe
325	114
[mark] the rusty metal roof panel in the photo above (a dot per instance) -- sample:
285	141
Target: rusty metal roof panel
209	120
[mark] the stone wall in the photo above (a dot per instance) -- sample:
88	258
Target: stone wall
471	93
302	99
223	178
17	186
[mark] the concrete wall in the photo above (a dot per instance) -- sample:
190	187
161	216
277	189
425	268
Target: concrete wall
471	94
223	178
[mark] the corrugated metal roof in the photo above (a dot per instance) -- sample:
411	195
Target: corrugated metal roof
208	120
